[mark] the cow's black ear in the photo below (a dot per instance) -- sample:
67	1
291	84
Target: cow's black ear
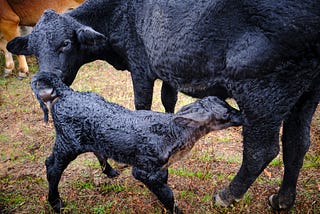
88	36
19	45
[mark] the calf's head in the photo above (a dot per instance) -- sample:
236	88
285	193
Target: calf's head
209	112
47	87
61	44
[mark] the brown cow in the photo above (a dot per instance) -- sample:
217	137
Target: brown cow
24	13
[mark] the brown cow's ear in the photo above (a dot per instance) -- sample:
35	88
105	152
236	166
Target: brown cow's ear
19	45
88	36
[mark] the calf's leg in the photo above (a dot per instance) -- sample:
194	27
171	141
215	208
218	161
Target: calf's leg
107	169
55	167
156	183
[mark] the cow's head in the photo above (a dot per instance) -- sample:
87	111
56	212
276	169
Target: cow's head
61	44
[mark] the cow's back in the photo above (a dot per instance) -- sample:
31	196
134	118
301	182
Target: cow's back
190	42
31	10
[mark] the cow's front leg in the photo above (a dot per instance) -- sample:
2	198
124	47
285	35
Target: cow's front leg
143	91
169	97
295	142
260	147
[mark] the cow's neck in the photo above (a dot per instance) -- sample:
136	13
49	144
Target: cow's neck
99	18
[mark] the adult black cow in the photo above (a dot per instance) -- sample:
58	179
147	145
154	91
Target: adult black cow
263	53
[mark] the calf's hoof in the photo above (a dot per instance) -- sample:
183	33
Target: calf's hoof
279	204
111	173
57	205
224	198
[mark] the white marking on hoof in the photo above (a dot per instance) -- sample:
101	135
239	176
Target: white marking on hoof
22	75
276	205
7	72
271	199
220	202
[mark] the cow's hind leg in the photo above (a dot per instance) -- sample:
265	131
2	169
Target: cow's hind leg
296	141
143	91
10	30
157	184
9	63
169	97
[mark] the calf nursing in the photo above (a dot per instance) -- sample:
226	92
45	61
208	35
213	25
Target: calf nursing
148	141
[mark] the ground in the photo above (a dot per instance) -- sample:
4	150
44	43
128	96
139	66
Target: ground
26	141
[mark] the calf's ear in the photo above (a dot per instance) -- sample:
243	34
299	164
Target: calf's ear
193	119
88	36
19	45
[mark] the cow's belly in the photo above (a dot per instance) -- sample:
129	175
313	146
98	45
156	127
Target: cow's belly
217	90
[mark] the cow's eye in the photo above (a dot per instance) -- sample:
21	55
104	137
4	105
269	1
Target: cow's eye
66	45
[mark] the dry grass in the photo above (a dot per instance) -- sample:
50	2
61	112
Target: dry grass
25	142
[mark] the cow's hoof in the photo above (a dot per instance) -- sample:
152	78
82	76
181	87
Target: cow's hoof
277	204
224	198
6	73
57	205
22	76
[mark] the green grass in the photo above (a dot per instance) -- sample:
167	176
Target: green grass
206	198
83	184
247	198
230	159
91	163
182	172
201	174
311	160
224	139
101	209
187	194
277	161
206	156
110	187
13	200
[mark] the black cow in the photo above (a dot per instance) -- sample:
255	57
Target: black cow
263	53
